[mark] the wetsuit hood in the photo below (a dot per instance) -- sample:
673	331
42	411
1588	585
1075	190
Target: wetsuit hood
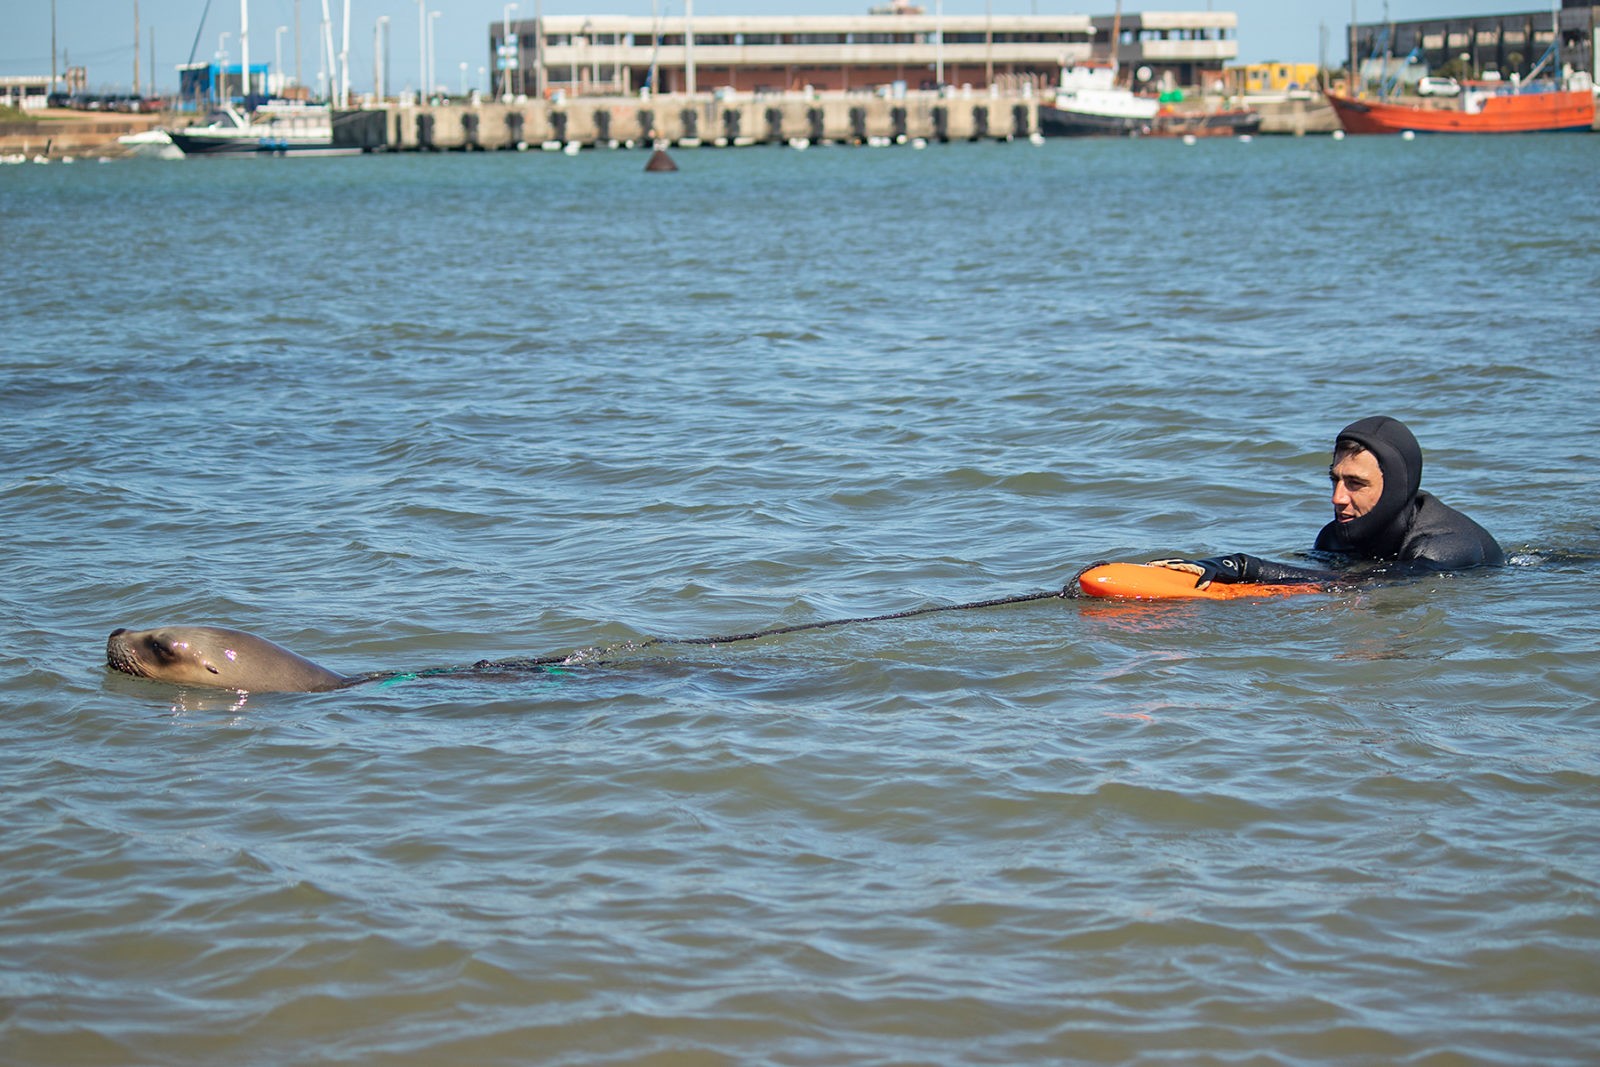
1379	532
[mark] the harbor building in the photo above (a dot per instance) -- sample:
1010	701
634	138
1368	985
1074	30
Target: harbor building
214	84
902	47
1264	79
26	92
1471	46
1171	48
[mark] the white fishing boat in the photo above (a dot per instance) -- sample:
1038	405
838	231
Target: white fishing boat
1090	103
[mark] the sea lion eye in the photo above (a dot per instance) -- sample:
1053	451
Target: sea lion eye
212	669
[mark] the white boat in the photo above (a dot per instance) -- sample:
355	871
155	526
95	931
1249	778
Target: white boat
281	130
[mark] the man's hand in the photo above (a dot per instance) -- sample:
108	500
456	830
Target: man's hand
1222	569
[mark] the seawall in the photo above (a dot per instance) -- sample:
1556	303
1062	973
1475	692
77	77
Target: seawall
704	119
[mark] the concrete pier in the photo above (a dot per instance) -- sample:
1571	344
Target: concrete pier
1297	117
702	119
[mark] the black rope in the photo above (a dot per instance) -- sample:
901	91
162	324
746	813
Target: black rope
753	634
727	639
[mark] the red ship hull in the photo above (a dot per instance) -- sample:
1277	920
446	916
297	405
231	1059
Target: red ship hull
1528	112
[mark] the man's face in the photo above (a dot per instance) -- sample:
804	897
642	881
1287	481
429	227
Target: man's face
1357	485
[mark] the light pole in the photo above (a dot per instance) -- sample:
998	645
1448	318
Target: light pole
587	30
244	49
431	75
380	58
422	51
222	66
277	44
344	58
505	53
988	42
655	45
463	79
538	48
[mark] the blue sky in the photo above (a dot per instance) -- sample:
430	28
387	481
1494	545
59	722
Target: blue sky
100	33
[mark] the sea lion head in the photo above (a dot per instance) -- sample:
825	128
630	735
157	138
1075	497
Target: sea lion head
215	657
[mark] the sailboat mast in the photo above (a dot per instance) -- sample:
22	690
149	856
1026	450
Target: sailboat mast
330	87
1353	89
1555	42
688	46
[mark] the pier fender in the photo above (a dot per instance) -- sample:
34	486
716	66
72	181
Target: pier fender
818	127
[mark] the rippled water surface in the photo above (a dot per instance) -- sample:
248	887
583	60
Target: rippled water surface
407	412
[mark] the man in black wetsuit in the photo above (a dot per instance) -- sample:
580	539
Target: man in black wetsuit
1378	514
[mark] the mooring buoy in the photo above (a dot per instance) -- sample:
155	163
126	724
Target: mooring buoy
659	160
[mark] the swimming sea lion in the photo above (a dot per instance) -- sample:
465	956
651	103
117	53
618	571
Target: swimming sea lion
217	658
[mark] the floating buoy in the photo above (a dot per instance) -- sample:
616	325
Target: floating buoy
660	162
1409	135
1189	138
1139	581
1338	135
